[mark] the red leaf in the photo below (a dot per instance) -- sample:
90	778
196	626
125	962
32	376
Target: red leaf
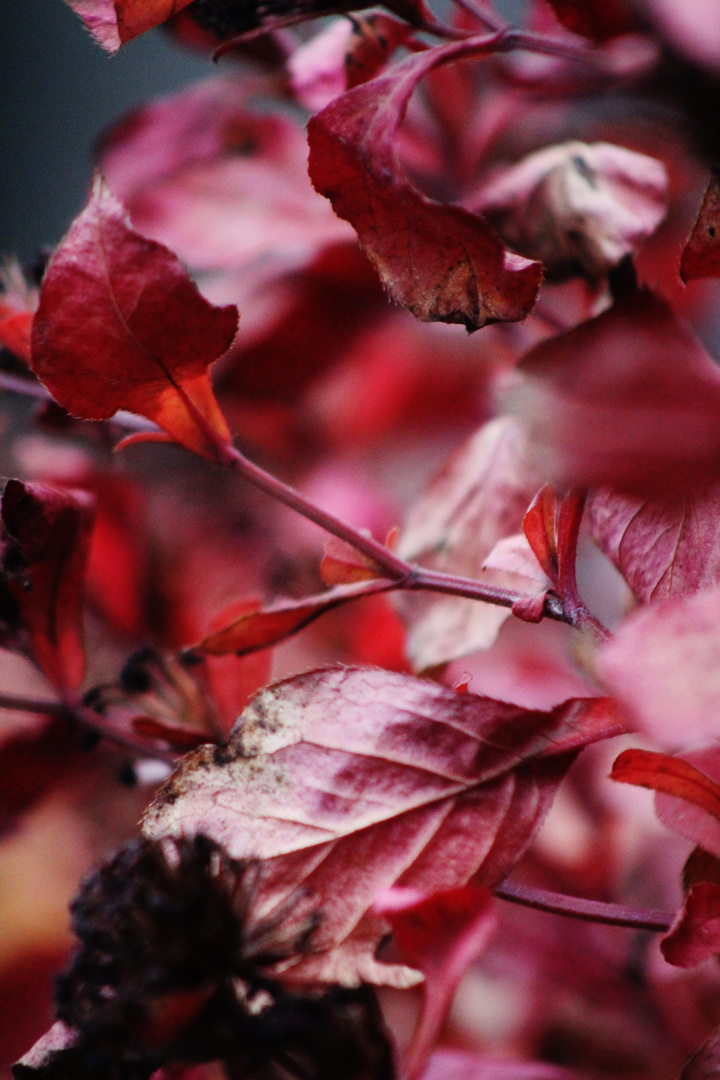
179	738
701	254
348	781
662	547
263	627
539	529
705	1064
439	935
149	340
672	776
476	499
599	20
47	533
343	564
629	398
695	934
662	666
441	262
113	22
31	765
578	208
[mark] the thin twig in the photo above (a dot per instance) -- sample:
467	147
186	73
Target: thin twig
16	384
575	907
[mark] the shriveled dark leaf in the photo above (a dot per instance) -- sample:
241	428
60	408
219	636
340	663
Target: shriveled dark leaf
630	398
476	499
345	782
44	554
439	261
121	325
578	208
701	254
662	547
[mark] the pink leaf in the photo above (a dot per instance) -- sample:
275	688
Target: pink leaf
662	547
441	262
629	398
662	666
440	935
578	208
460	1065
348	781
476	499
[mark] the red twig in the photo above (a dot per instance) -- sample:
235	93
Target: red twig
576	907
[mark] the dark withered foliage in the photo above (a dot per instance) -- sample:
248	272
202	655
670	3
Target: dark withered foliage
165	970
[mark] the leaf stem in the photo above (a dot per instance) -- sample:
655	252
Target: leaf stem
576	907
74	709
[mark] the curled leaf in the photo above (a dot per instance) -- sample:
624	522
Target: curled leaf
695	934
113	22
441	262
120	325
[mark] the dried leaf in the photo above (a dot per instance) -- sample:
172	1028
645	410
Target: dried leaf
701	254
629	398
113	22
120	325
478	497
662	547
441	262
578	208
348	781
44	554
662	666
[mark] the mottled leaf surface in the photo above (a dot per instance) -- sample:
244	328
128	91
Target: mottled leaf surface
439	261
345	782
476	499
121	325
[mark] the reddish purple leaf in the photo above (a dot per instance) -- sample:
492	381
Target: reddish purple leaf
113	22
662	547
705	1064
345	782
120	325
259	628
578	208
440	935
441	262
662	666
695	934
701	254
44	555
630	398
476	499
32	764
